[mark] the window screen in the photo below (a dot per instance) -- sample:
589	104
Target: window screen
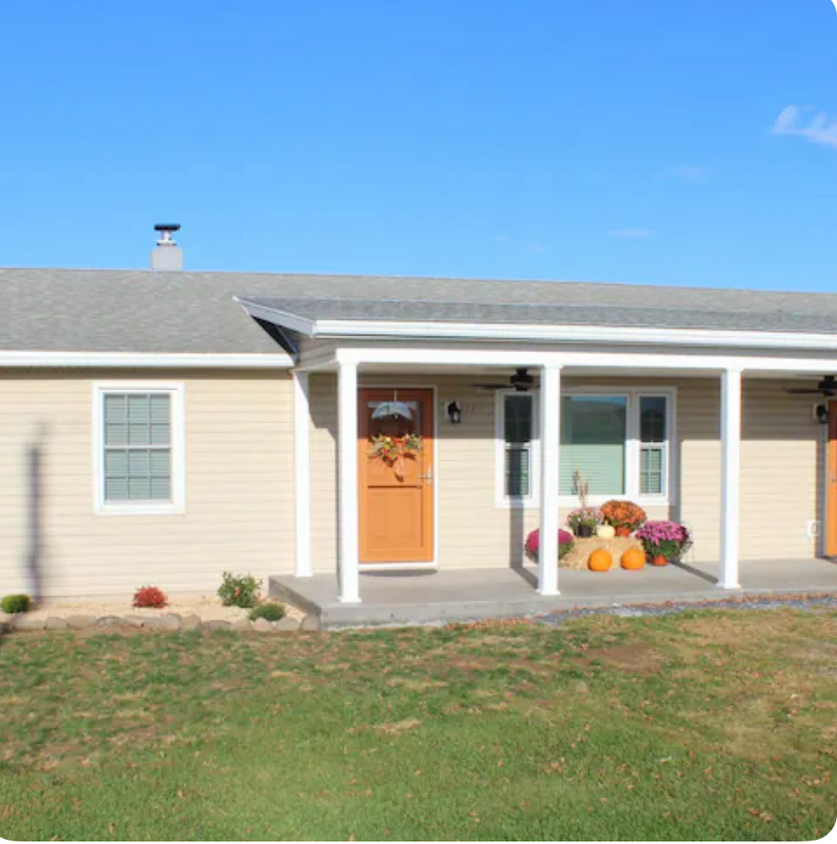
653	444
518	431
137	445
593	436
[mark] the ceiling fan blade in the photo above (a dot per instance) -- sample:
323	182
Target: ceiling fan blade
804	391
499	386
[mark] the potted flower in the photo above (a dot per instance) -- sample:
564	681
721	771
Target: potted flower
565	544
583	521
664	541
625	516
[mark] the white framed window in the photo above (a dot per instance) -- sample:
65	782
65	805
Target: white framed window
138	460
617	439
516	448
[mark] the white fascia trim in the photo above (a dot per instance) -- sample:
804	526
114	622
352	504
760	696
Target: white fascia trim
277	317
114	360
570	333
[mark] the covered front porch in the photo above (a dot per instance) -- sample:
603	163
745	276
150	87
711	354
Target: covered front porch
707	449
451	595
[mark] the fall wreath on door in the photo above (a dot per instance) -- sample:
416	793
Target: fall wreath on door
395	450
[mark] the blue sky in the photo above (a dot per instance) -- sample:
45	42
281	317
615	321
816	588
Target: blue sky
643	141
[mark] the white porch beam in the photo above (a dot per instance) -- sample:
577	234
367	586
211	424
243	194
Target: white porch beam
533	333
403	354
550	439
348	578
302	473
730	477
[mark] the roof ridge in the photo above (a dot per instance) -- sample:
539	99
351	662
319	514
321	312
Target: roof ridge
348	277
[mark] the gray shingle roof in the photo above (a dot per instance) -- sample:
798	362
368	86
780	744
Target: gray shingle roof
592	313
194	312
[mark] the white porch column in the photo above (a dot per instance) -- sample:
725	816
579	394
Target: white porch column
347	484
550	435
302	474
730	477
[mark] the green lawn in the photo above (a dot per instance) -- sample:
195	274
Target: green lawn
698	726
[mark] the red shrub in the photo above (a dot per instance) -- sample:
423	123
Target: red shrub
150	596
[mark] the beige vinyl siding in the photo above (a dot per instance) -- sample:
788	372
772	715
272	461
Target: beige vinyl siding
781	470
239	497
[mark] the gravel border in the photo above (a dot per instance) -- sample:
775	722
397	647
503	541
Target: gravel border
743	602
169	623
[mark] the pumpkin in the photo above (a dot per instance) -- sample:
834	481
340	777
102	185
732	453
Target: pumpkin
633	558
600	560
605	532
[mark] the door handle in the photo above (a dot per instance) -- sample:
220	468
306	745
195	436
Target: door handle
428	476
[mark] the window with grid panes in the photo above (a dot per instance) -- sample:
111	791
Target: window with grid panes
137	446
653	445
518	433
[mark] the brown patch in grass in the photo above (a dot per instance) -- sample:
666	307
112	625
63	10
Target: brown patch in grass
416	685
398	727
637	658
476	663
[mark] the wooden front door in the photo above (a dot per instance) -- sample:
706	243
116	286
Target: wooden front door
831	483
395	493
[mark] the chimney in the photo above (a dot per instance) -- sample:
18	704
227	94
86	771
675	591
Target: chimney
167	255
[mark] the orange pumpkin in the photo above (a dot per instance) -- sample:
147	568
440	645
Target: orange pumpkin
633	558
600	560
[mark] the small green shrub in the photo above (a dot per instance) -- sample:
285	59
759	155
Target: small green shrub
239	590
16	603
269	610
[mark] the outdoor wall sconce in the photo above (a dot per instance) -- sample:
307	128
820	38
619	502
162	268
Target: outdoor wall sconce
821	414
454	412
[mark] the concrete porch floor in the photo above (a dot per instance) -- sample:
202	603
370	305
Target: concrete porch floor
404	598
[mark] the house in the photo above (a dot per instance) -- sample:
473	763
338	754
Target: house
161	426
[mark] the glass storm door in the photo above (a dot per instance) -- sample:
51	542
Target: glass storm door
395	475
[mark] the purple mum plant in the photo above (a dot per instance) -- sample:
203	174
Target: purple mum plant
665	539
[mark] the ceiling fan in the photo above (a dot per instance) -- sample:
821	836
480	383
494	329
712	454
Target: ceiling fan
521	381
826	387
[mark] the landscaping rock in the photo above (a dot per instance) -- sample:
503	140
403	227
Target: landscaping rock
55	623
109	621
190	623
243	625
286	625
21	622
81	622
216	624
134	620
262	625
170	621
311	622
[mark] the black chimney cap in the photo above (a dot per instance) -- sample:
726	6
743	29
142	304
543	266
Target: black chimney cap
167	227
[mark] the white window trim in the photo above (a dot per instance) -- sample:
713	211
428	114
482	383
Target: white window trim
632	448
178	468
502	501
